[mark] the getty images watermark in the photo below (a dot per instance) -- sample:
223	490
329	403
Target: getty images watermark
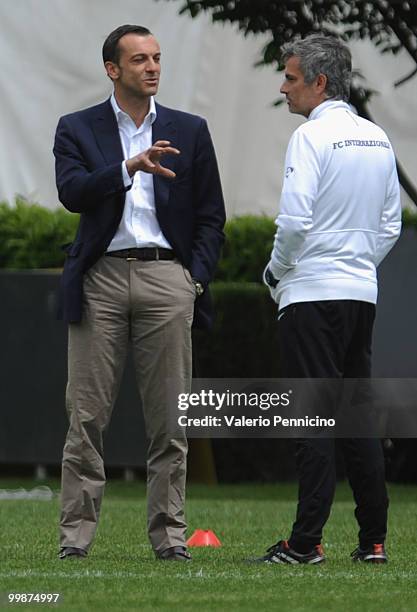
228	401
283	408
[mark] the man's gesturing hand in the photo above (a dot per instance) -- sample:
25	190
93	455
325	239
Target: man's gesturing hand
149	160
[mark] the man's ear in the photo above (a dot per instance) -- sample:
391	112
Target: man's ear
113	70
321	83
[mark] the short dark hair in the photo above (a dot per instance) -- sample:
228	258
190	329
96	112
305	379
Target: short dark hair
111	51
326	55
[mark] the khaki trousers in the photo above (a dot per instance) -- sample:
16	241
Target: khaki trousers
151	304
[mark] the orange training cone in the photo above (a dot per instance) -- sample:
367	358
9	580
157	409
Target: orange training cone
204	537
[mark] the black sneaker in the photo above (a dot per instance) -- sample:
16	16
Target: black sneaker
282	553
373	554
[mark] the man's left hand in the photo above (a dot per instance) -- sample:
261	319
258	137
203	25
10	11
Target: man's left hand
270	278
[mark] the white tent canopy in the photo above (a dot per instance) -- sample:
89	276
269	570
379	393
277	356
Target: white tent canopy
51	65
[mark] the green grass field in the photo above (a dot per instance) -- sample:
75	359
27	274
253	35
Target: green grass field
121	574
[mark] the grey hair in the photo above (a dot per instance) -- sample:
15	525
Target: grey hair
323	55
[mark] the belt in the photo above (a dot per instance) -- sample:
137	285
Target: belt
145	254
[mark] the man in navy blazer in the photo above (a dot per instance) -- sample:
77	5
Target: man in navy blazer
145	181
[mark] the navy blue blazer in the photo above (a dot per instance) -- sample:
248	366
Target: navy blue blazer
190	208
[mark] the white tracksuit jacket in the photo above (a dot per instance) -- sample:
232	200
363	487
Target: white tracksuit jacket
340	211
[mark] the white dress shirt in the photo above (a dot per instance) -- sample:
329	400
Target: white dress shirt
139	226
340	210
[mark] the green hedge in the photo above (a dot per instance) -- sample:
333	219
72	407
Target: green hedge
409	218
247	248
31	236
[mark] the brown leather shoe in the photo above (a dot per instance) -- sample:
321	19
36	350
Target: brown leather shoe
71	552
175	553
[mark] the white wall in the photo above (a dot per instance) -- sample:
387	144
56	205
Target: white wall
51	64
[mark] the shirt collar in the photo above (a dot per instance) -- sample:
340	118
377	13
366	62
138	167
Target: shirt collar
151	116
327	105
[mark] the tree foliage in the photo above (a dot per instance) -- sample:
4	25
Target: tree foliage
390	25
